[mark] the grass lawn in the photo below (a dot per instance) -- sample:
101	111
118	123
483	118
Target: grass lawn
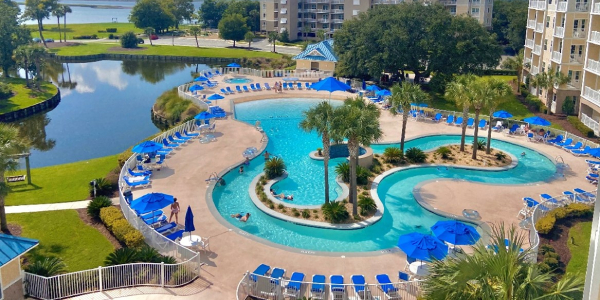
580	233
62	233
23	96
51	29
97	48
61	183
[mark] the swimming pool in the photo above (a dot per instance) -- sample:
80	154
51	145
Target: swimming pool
280	118
238	80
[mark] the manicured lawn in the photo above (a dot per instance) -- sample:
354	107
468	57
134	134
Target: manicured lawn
580	234
62	233
97	48
60	183
23	96
51	29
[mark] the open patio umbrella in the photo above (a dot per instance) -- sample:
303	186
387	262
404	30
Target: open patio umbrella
383	93
204	116
502	114
147	147
201	78
455	232
151	202
215	97
195	87
189	221
537	121
233	65
373	88
422	246
331	85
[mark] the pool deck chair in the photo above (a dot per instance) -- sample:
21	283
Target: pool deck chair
458	121
361	290
155	221
437	118
218	73
274	288
191	134
592	163
294	286
246	89
299	85
181	137
166	227
583	152
317	289
258	275
482	124
337	290
150	215
142	183
567	142
231	92
589	195
549	199
450	120
555	140
170	145
143	173
498	126
307	85
267	86
575	197
174	140
258	87
175	235
224	92
577	146
385	284
252	87
470	122
238	89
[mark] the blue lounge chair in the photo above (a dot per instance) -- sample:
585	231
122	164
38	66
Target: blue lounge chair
165	151
592	178
361	290
470	122
155	220
246	89
584	152
160	161
450	120
142	183
458	121
385	284
277	274
267	86
167	144
258	87
174	140
555	140
294	285
252	87
482	124
567	142
224	92
260	271
437	117
513	129
577	146
181	137
574	197
166	227
592	163
307	85
210	74
290	85
238	89
589	195
175	235
211	83
337	288
150	215
317	290
284	86
230	91
191	134
144	173
273	289
218	73
299	85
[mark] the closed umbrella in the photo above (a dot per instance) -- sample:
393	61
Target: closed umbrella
422	246
502	114
331	85
151	202
537	121
189	221
201	78
383	93
147	147
204	116
233	65
455	232
364	85
215	97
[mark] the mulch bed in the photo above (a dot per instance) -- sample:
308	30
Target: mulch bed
13	229
126	49
82	212
559	239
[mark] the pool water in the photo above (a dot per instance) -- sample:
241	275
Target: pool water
238	80
280	118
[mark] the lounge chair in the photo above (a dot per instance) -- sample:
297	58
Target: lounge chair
403	278
592	163
513	129
211	83
181	137
210	74
225	92
261	270
294	285
482	124
299	85
549	199
258	87
274	287
450	120
589	195
252	87
175	235
470	122
498	126
166	227
238	89
160	161
230	91
458	121
307	85
290	85
385	284
555	140
155	220
150	215
317	289
567	142
267	86
144	173
592	178
577	146
190	134
361	290
337	289
409	260
169	145
174	140
575	197
246	89
437	117
143	183
218	73
284	86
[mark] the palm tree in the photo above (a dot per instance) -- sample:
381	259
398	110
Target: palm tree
321	35
195	31
11	144
319	119
306	30
58	12
149	31
402	96
66	10
549	80
505	273
273	37
249	37
47	266
516	63
500	90
122	256
37	57
460	90
357	122
21	55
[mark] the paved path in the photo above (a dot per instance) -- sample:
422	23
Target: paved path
17	209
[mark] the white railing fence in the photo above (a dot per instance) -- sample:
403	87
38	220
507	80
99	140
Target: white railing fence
591	123
266	287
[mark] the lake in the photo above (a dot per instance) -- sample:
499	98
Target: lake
105	108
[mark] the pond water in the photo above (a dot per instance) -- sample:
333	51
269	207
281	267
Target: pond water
105	108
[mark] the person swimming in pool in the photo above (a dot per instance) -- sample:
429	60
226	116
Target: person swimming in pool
241	217
522	153
282	195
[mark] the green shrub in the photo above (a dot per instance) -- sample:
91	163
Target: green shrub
113	30
109	215
306	214
343	170
115	222
335	212
296	214
444	152
545	224
86	37
280	206
93	208
103	188
534	102
274	167
393	155
544	249
544	268
481	144
271	205
366	204
500	156
129	40
5	91
362	173
46	266
551	262
580	126
568	106
148	254
121	256
415	155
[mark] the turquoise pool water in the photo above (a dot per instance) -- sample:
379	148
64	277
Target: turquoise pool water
238	80
402	214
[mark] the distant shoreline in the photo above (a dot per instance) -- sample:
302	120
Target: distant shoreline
94	6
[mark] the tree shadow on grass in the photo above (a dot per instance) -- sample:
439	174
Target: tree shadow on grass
21	188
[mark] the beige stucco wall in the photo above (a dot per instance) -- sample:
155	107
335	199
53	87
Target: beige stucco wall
323	65
302	64
10	272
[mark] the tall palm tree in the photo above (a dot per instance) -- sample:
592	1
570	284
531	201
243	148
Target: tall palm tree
37	57
402	96
504	273
149	31
516	63
358	122
195	31
273	37
548	81
21	55
500	92
460	90
66	10
11	144
319	119
486	91
306	30
58	12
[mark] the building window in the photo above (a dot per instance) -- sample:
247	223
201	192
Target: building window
355	12
577	76
545	44
543	67
325	26
313	25
553	22
547	21
570	74
580	50
356	2
276	5
264	6
475	10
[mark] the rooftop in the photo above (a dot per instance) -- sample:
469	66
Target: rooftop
322	51
13	246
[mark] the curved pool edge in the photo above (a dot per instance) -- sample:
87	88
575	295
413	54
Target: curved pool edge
270	183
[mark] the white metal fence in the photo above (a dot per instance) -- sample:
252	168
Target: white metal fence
279	289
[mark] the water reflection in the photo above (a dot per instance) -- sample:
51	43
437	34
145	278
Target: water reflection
151	71
34	129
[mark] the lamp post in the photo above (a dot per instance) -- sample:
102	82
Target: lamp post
93	184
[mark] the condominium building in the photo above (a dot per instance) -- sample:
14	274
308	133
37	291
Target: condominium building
556	38
304	18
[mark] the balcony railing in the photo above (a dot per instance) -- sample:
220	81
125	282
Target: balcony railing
529	43
309	10
337	1
337	11
539	27
556	56
578	33
559	32
593	66
540	5
388	1
537	49
323	20
576	59
531	24
591	95
535	70
582	7
561	6
591	123
595	37
596	9
527	61
322	11
337	21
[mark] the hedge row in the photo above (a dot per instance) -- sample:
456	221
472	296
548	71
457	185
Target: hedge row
499	72
121	229
580	126
546	223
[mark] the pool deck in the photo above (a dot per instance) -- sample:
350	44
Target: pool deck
233	253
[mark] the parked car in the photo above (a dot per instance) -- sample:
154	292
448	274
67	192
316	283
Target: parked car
154	37
36	40
49	40
140	40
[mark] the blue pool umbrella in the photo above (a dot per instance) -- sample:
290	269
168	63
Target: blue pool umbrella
537	121
189	221
383	93
147	147
215	97
233	65
204	116
502	114
422	246
195	87
151	202
201	78
455	232
373	88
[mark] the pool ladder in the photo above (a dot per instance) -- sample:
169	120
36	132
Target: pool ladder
561	166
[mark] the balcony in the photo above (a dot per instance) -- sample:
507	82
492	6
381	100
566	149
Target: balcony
475	2
579	34
337	1
324	21
561	6
539	27
322	11
337	11
535	70
531	24
559	32
387	1
539	5
537	49
337	21
591	123
595	37
596	9
591	95
529	43
556	57
576	59
309	10
593	66
310	20
581	7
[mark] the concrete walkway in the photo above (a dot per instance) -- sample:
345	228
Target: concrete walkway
17	209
